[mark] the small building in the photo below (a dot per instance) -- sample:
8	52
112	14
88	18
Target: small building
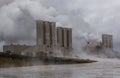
15	49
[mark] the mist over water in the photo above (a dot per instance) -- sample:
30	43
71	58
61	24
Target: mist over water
92	70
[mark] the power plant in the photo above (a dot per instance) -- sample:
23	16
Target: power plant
53	45
50	40
107	43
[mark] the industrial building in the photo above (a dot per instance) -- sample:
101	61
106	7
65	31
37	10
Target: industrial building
64	40
16	49
64	37
49	40
107	41
46	32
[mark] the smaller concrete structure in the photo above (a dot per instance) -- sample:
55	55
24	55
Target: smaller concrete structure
64	37
38	51
64	40
16	49
107	41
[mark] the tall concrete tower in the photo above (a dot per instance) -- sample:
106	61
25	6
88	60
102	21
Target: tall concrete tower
60	40
69	35
46	33
107	41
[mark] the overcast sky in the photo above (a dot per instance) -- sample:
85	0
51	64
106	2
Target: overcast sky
3	2
84	16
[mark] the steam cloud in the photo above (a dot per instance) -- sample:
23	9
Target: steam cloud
17	19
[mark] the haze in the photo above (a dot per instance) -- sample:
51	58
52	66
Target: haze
84	16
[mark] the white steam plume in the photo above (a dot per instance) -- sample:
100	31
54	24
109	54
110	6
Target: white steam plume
19	19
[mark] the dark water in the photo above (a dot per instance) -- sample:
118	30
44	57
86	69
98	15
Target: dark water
93	70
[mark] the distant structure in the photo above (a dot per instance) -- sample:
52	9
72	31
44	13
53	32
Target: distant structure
49	40
93	47
107	41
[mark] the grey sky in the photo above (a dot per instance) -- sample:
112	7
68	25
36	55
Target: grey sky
3	2
84	16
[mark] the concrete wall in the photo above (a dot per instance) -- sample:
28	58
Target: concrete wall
69	37
59	37
65	36
39	30
53	38
107	41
